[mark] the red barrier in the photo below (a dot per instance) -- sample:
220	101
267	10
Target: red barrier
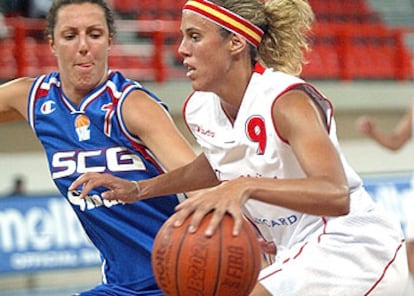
349	52
140	59
340	51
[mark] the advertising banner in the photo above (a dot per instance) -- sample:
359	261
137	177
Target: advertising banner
395	193
42	233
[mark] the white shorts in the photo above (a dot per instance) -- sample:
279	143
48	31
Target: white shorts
409	230
352	257
408	206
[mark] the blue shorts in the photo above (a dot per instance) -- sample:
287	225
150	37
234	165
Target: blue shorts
114	290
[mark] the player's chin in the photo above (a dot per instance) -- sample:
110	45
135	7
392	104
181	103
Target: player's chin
198	83
196	86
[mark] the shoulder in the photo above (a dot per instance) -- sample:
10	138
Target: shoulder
14	96
199	99
289	90
272	84
200	105
117	81
17	89
299	98
122	87
23	82
271	76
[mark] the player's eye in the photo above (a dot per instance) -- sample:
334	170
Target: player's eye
69	36
95	35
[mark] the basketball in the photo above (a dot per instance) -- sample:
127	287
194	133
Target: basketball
192	264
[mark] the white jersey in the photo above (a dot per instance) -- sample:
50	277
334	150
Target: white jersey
251	146
409	231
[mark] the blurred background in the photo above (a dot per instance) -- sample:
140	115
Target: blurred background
362	60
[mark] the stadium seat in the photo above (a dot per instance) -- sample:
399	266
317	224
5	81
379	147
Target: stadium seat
323	63
8	67
128	8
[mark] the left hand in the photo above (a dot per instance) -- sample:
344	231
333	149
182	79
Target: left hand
119	189
228	197
268	247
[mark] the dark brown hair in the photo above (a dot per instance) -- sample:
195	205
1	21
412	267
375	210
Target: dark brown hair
57	4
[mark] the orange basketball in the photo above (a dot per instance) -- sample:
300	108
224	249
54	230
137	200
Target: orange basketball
192	264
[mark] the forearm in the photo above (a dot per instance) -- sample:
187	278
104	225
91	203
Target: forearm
387	140
313	195
193	176
395	139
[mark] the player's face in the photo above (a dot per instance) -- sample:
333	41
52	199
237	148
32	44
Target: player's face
205	52
81	43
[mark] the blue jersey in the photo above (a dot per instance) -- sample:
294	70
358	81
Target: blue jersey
92	137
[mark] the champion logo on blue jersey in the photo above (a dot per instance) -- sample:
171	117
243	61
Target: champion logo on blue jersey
82	124
48	107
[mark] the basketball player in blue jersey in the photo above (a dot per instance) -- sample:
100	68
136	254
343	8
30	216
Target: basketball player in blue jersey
92	119
269	137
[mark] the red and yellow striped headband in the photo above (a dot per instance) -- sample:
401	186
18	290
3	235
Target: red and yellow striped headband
226	19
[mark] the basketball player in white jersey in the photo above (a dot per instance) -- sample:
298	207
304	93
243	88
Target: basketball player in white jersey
269	138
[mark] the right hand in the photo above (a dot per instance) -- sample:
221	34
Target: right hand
268	247
365	125
119	189
226	198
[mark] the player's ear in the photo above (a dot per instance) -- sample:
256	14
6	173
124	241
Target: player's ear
110	42
51	44
238	43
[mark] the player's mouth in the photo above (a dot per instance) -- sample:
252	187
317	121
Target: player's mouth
190	70
84	65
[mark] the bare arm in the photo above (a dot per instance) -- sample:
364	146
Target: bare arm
153	124
196	175
324	190
13	99
393	140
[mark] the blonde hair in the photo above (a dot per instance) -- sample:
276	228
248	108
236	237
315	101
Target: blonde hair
285	23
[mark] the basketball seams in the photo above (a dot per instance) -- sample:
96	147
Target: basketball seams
219	263
178	255
252	254
246	234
